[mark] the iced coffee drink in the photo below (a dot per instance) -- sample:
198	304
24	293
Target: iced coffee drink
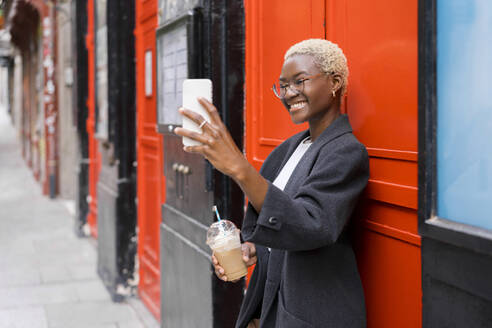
223	239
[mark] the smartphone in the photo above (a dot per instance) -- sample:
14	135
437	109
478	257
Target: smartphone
192	89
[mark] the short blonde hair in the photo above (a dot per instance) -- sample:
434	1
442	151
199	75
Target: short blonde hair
327	56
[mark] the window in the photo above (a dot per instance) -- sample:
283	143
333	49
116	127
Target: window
172	56
455	122
179	55
464	111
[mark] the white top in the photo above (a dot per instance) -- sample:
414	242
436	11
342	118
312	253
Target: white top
284	175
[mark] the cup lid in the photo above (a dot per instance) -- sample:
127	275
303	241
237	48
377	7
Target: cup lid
220	229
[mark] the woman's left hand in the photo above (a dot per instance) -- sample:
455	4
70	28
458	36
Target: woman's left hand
217	147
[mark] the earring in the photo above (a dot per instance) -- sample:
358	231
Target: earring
333	93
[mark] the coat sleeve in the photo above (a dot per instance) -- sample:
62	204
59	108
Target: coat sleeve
316	215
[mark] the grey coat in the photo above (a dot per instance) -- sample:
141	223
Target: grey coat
310	277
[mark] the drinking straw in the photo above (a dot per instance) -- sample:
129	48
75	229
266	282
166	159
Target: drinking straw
214	208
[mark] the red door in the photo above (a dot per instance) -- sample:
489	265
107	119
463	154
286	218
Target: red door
150	177
94	155
380	41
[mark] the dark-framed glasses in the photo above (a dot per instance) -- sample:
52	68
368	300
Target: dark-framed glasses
296	85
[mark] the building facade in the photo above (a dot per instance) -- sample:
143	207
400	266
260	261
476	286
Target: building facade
417	98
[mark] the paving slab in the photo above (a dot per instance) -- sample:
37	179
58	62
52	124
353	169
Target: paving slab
83	272
109	325
30	317
14	297
130	325
92	290
89	313
54	273
14	277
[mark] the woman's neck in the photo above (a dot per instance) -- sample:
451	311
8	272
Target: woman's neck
316	127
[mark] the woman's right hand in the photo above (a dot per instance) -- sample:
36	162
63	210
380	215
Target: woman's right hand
249	258
249	253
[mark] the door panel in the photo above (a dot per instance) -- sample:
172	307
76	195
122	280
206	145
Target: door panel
391	272
271	28
150	181
379	39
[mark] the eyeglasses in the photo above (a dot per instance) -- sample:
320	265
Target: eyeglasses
296	86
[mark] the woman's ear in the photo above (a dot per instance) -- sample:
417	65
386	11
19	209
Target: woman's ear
336	80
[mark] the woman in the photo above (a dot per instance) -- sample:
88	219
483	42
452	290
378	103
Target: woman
300	202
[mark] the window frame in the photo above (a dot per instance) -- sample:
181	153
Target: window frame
431	225
192	20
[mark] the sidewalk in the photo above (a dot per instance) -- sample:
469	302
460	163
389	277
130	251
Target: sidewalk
48	276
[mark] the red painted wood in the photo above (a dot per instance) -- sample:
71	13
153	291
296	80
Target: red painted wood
379	39
150	178
271	27
390	271
94	155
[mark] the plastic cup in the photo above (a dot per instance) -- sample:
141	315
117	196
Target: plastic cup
223	238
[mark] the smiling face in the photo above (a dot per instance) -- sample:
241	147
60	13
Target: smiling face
315	104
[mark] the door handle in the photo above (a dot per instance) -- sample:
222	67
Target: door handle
181	172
